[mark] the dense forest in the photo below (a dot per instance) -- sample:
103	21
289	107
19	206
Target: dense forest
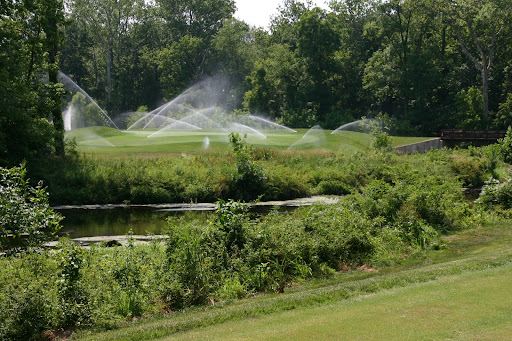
426	65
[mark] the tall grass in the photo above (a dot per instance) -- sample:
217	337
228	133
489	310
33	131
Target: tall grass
395	206
209	176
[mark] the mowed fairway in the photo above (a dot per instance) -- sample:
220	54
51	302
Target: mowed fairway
471	306
103	140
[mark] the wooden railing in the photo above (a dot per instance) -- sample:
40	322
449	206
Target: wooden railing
471	135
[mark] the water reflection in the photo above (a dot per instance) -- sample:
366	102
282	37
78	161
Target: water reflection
120	220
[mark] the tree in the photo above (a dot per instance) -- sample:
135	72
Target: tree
180	64
196	18
283	26
355	24
477	26
235	52
29	35
407	77
26	219
278	88
106	22
318	42
52	18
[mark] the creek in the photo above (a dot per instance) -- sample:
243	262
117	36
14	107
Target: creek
118	220
140	220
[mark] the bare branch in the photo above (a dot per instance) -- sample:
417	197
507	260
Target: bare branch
465	49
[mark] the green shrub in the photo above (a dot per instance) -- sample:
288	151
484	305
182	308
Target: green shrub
73	301
189	265
231	289
496	194
248	182
334	187
381	141
506	146
29	300
127	273
25	215
284	183
471	170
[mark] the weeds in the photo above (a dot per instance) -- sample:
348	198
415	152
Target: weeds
397	207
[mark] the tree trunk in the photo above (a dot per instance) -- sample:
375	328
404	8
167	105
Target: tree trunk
109	71
485	91
58	121
53	70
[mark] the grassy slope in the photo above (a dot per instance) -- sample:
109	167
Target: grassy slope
102	140
469	306
459	292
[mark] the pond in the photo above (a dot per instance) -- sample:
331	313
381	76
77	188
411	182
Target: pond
118	220
141	220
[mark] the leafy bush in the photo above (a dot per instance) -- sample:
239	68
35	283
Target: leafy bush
398	206
380	223
29	301
334	187
381	141
471	170
189	264
73	301
249	178
496	194
506	146
25	215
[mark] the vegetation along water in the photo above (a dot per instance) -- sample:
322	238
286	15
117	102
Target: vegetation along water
133	102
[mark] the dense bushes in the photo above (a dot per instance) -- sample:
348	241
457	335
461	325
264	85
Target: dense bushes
380	223
25	216
506	146
76	287
496	194
245	174
397	206
248	181
229	257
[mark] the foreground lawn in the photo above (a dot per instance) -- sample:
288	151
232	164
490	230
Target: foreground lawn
459	292
470	306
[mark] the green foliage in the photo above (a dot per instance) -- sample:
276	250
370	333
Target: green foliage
380	223
189	265
506	146
496	194
207	177
86	114
334	187
469	109
231	218
128	275
249	179
74	287
398	206
503	116
381	141
74	302
300	118
29	301
172	71
131	119
26	219
30	34
408	59
471	170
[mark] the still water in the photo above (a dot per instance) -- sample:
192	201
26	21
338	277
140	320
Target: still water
120	220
